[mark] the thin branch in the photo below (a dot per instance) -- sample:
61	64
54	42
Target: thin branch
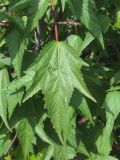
70	23
37	36
4	23
10	146
55	20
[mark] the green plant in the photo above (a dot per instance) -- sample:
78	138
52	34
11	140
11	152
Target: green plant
59	79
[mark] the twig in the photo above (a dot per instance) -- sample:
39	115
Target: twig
70	23
4	23
55	20
11	144
37	37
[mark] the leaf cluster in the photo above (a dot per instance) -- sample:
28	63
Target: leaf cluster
59	79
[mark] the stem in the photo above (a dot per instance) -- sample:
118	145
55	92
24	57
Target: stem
70	23
11	144
55	21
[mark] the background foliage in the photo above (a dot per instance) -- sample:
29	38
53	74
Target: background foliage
59	79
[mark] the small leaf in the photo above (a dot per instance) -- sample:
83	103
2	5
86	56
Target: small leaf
14	97
4	83
75	42
79	102
25	135
63	2
63	153
16	46
100	157
4	145
112	107
37	10
19	5
88	39
4	61
18	22
3	15
104	22
84	10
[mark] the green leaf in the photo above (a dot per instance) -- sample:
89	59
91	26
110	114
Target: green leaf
25	81
33	157
75	42
3	15
15	91
63	153
14	97
4	83
88	39
43	136
18	22
117	23
84	10
75	140
18	153
61	53
4	145
8	158
104	22
79	102
37	10
78	44
4	61
100	157
40	131
63	2
16	46
49	153
112	107
60	74
54	149
25	135
19	5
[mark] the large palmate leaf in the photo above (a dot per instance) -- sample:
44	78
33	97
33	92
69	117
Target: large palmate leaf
37	10
25	135
4	82
112	107
57	74
85	11
16	45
